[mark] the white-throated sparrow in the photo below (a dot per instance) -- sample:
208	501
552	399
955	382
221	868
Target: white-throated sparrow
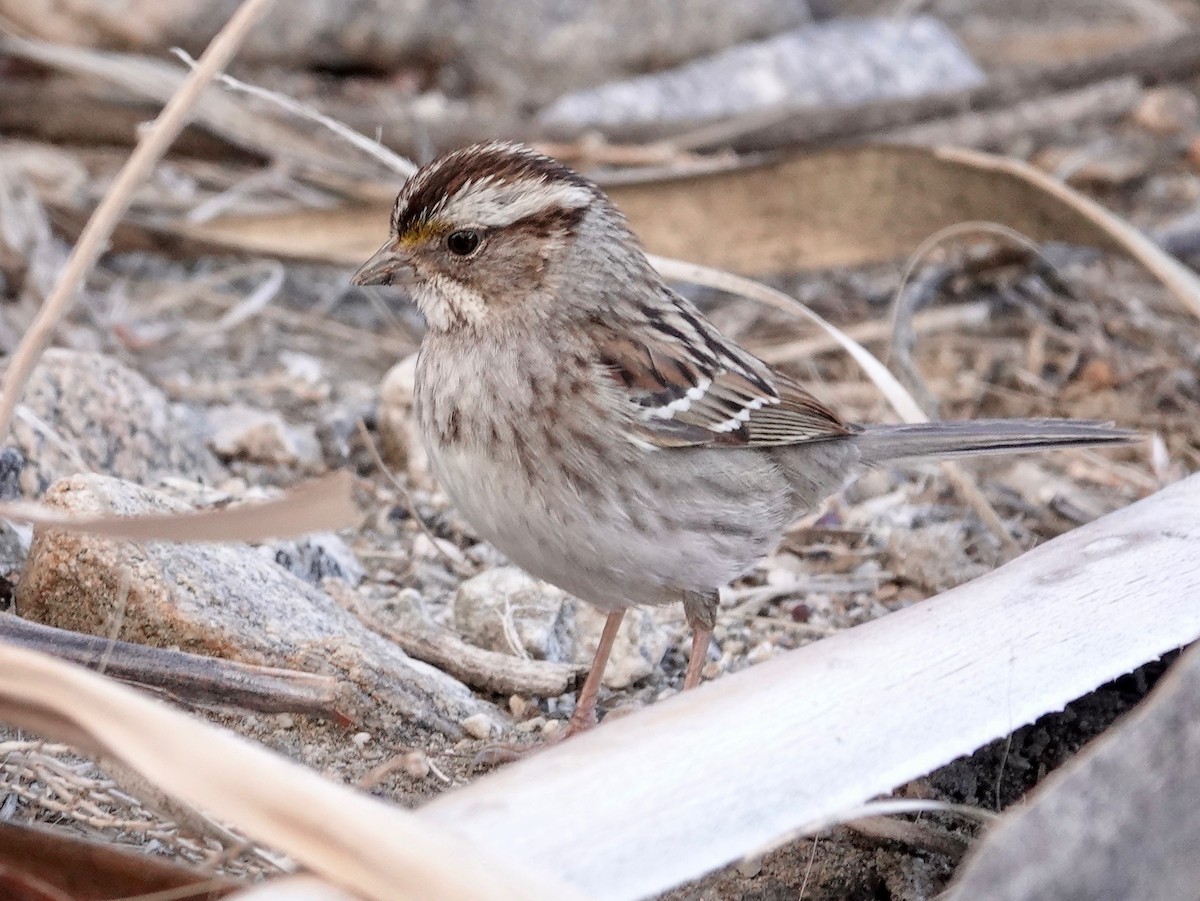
591	423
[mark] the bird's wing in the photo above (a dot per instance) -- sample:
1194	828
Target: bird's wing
690	386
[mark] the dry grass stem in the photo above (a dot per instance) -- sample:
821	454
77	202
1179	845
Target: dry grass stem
152	145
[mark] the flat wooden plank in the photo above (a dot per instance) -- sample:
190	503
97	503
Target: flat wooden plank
665	795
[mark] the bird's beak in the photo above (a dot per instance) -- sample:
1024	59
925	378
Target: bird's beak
389	266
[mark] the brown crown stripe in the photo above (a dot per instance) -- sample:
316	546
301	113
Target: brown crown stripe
506	163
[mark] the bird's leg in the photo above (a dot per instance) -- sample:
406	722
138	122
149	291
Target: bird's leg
701	611
584	716
701	636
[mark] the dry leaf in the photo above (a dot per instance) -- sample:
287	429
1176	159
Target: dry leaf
371	848
320	504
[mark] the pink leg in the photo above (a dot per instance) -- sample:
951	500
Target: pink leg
584	716
700	639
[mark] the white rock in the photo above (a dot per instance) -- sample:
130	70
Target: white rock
641	643
262	436
478	726
505	610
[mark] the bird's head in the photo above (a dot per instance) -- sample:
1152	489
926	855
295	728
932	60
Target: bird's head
497	230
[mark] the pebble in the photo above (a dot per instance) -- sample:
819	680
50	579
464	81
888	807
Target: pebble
478	726
761	653
262	436
1167	110
416	764
362	739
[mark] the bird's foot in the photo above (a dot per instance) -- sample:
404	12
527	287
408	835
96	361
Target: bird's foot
508	752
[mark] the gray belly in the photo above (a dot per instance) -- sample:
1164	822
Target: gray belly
653	526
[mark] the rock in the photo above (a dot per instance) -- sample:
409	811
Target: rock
317	556
400	442
1167	110
638	651
551	625
841	63
223	600
503	605
478	726
87	411
262	436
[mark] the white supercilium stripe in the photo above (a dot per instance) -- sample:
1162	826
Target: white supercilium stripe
493	204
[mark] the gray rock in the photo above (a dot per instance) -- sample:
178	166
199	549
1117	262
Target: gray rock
841	63
224	600
321	555
641	643
240	432
87	411
503	609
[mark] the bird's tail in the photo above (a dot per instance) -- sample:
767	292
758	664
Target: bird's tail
881	443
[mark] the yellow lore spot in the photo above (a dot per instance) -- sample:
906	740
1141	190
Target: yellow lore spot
422	232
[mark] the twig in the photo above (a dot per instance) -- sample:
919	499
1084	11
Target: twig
479	668
374	149
191	677
455	566
1104	101
924	323
152	145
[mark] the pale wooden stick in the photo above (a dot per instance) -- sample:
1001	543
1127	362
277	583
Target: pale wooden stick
152	145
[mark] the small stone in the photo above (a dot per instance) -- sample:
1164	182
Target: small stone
553	727
1167	110
360	739
749	867
424	548
285	721
801	613
415	764
316	556
520	706
712	669
400	443
637	652
478	726
262	436
531	725
761	653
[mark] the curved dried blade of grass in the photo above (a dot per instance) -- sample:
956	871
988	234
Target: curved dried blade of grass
152	145
320	504
896	394
377	151
373	849
900	351
1180	280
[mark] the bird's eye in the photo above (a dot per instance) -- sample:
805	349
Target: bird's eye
462	243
